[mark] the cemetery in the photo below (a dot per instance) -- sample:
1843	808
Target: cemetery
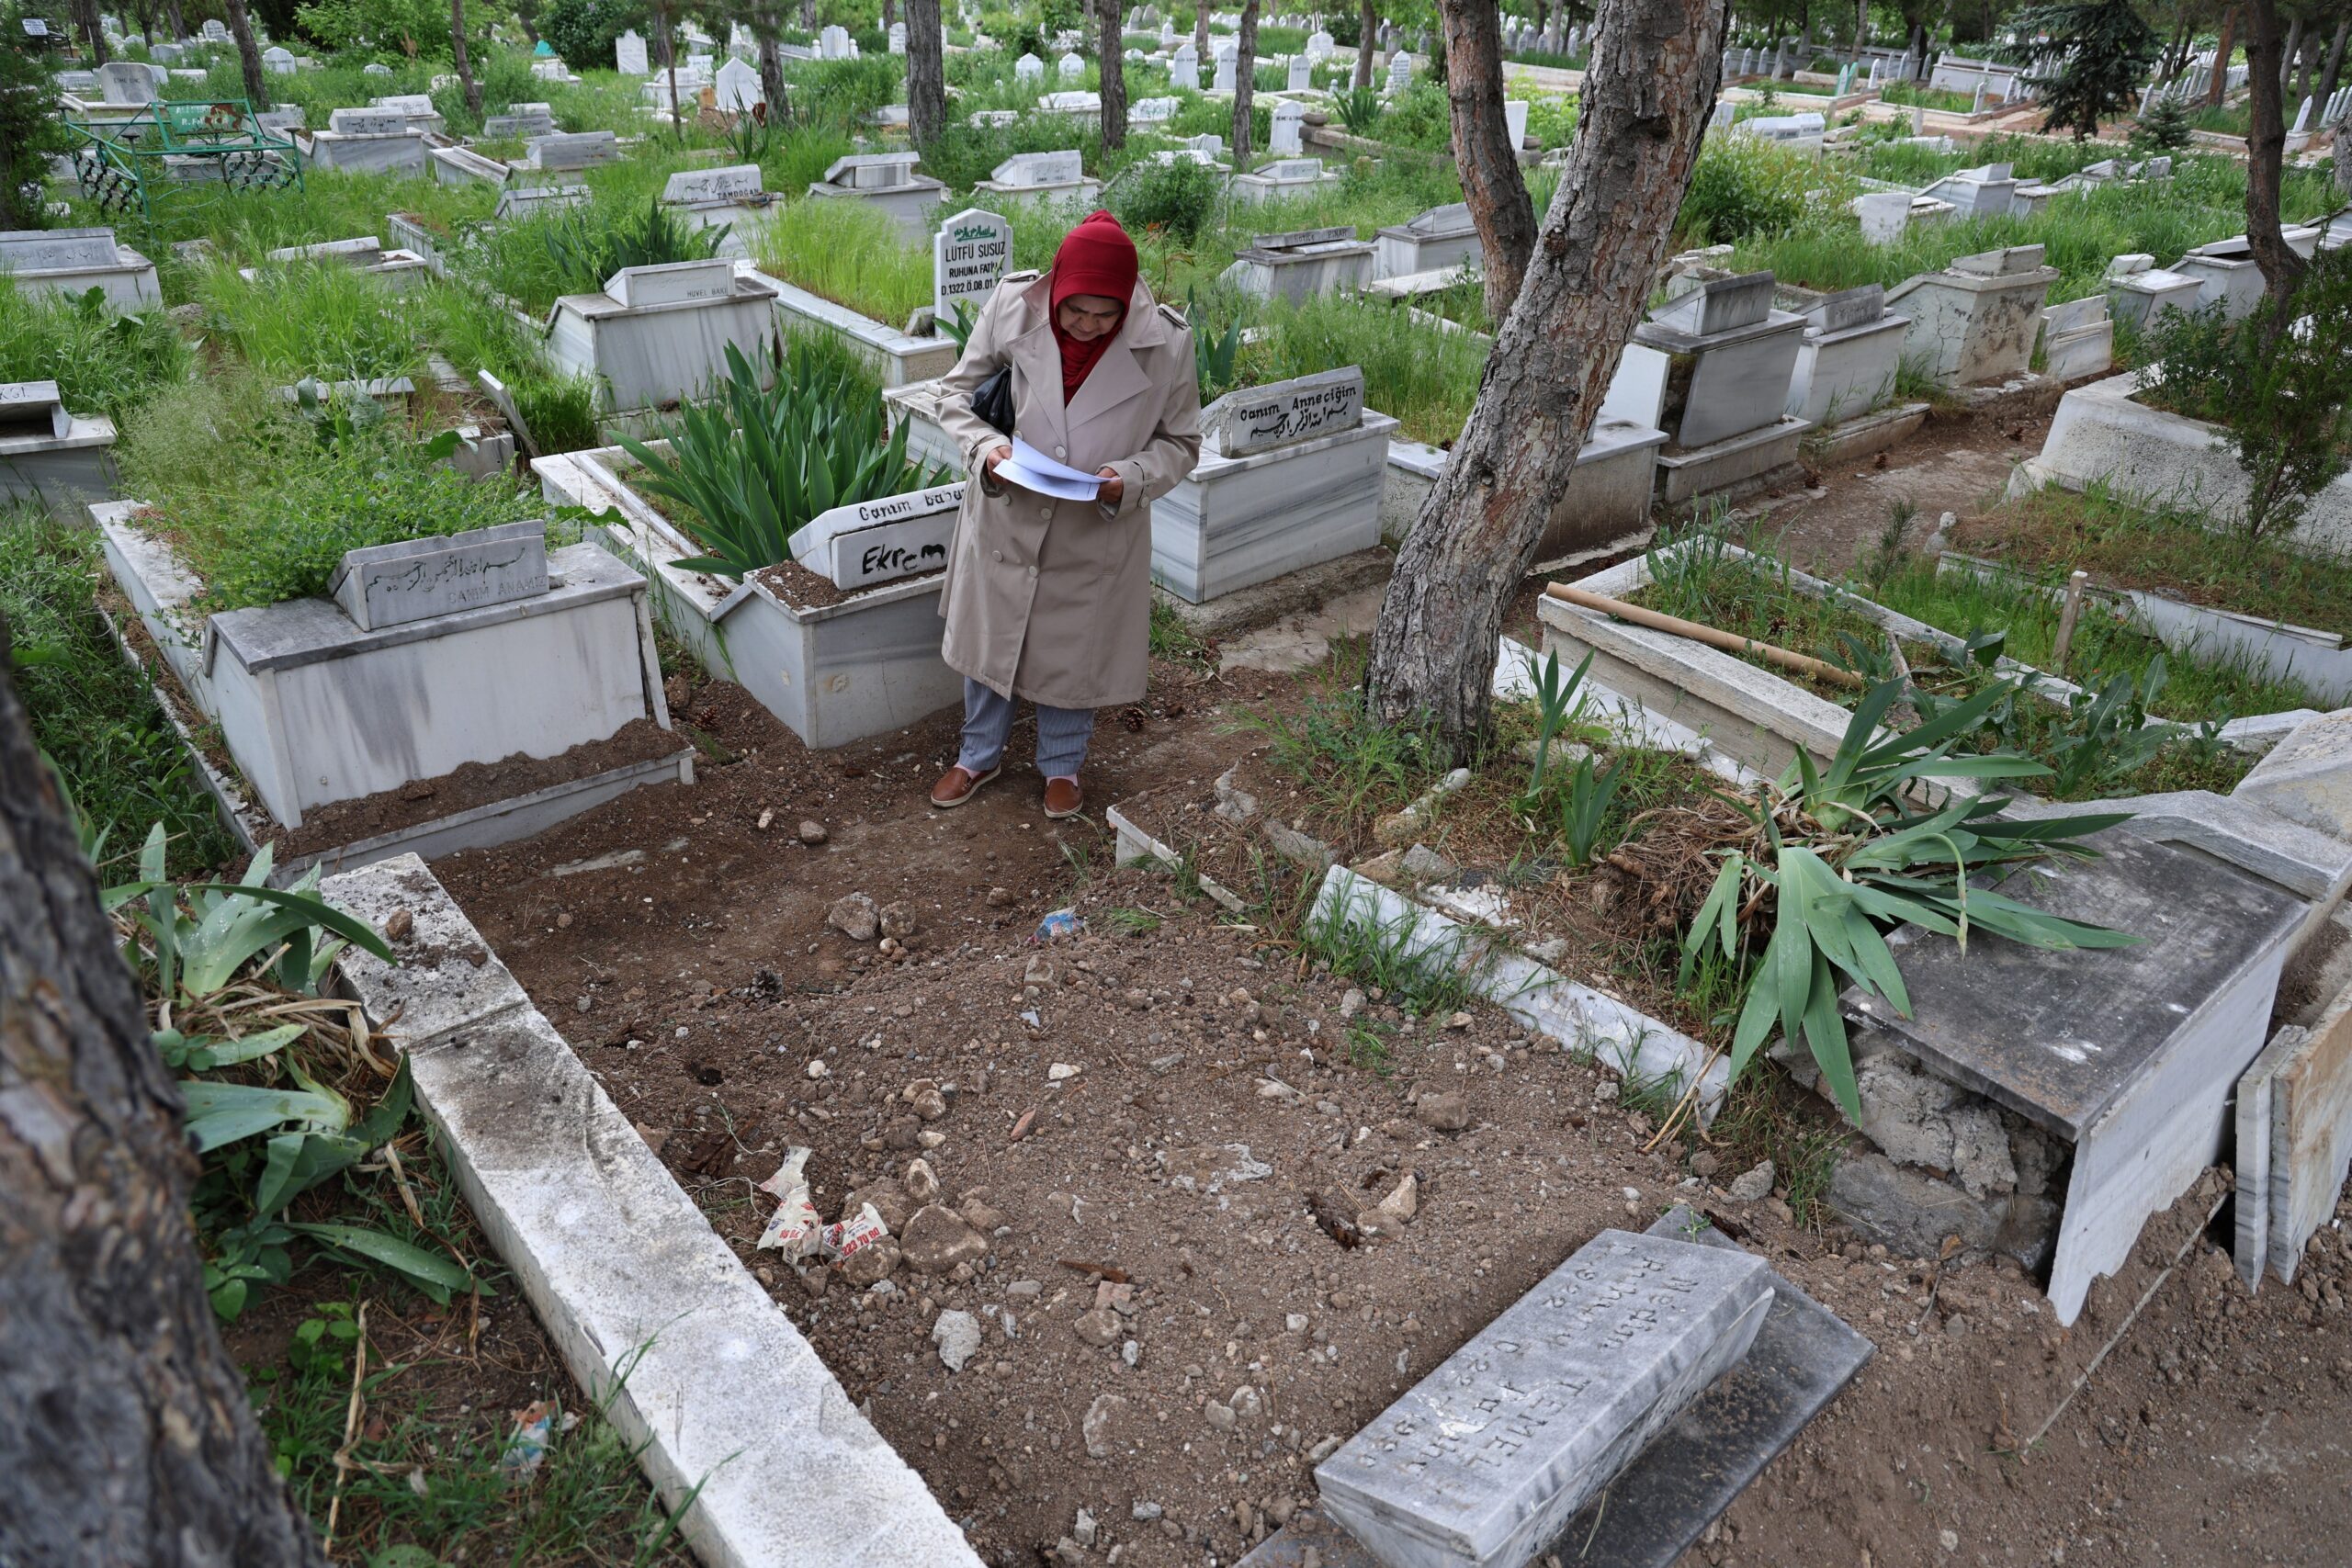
1719	935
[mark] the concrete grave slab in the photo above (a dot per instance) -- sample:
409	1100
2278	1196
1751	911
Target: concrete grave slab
2307	777
412	579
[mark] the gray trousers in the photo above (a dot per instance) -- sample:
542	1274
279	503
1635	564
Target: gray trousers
1062	733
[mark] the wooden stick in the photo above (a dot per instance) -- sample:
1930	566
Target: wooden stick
1714	636
2066	618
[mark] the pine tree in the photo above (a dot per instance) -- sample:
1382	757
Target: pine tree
2104	48
2164	127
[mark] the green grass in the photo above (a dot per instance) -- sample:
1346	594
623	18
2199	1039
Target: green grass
1416	371
851	254
1173	638
315	319
1753	596
93	714
2163	551
1426	980
102	363
1919	95
1348	766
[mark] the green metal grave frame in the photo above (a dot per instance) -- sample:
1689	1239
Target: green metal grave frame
174	155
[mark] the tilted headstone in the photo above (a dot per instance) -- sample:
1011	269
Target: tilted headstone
672	283
628	52
1488	1458
1259	419
734	182
1847	308
1030	169
881	541
873	171
1884	215
1718	305
969	259
391	585
33	407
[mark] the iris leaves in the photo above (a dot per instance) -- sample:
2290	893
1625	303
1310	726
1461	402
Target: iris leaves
1843	853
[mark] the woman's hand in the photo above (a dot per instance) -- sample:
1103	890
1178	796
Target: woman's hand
991	459
1114	486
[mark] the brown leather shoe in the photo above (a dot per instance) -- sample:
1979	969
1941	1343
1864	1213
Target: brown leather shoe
1064	799
958	784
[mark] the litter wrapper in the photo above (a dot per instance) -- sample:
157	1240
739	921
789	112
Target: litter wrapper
1061	923
536	1425
796	1230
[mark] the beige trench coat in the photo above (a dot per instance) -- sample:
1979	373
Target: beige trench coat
1051	600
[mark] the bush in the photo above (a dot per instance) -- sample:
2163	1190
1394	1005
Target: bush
2164	129
583	31
1743	186
28	129
1176	198
2278	383
102	363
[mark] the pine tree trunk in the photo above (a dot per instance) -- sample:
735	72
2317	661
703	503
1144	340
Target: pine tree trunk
1492	185
465	70
772	87
2293	47
1115	74
926	75
889	15
241	27
808	16
2329	73
667	53
2222	51
1651	74
93	32
1367	24
125	1431
2265	146
173	19
1245	83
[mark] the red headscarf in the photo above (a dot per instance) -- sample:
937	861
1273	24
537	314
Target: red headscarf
1096	257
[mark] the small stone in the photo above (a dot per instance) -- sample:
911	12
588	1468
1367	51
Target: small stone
936	1239
1422	864
1754	1184
1383	869
1082	1530
1101	1423
811	831
1025	1289
930	1105
898	922
958	1335
1098	1326
1294	1321
921	1183
399	925
767	816
1146	1512
816	1069
1948	1540
1350	1002
998	897
1246	1402
1234	803
1220	1416
1443	1112
1061	1072
854	916
1401	1204
1705	1163
872	1263
1131	1353
1460	1021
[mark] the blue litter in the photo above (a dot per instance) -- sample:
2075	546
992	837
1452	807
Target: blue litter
1059	924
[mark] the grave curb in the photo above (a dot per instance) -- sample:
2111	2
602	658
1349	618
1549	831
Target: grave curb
698	1368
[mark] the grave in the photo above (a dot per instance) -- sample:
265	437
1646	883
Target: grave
570	149
1147	114
1798	130
969	255
1435	240
1607	502
659	335
1029	68
727	197
368	141
1730	360
416	109
1070	68
74	260
736	88
1974	322
520	122
1034	177
522	200
1400	72
398	270
2127	1056
315	709
1299	264
1290	477
1299	75
463	165
898	37
1289	117
1985	192
1846	360
1184	68
2078	339
834	43
835	672
873	542
889	181
2226	276
1071	103
1227	65
1282	179
59	460
127	84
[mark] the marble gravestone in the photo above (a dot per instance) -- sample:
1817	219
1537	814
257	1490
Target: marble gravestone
1259	419
628	53
1028	68
737	88
1481	1464
1301	263
413	580
875	542
1301	73
34	407
1070	68
1184	69
968	258
1847	363
1228	65
572	150
897	41
1289	120
1733	355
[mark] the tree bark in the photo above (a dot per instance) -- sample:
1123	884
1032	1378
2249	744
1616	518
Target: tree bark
2222	51
2328	73
1367	24
1201	33
1245	82
772	89
667	53
2287	55
1491	185
241	27
1115	74
125	1431
889	15
173	19
808	16
465	70
926	75
2265	146
1650	78
94	35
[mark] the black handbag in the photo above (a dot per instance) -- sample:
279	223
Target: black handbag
992	401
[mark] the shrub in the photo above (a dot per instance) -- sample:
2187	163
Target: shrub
1178	198
28	131
1742	186
102	363
588	244
583	31
2162	128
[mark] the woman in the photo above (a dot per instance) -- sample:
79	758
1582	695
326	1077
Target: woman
1049	601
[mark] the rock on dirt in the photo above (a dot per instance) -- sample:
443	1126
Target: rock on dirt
1754	1184
854	916
898	922
958	1335
1098	1326
1443	1112
1100	1424
938	1238
812	832
872	1263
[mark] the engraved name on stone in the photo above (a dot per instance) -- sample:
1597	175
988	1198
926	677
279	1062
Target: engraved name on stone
1257	419
389	585
880	541
968	257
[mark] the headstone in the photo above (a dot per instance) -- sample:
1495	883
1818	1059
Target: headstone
1026	170
898	37
522	121
376	68
734	182
2303	117
1484	1460
1028	68
33	407
672	283
1070	67
1184	68
873	171
278	59
391	585
519	201
57	250
1401	71
217	31
1290	117
1884	215
572	150
1319	46
126	82
833	43
968	258
1978	106
1258	419
1301	74
1151	111
1718	305
882	540
1227	65
368	122
740	42
628	52
1515	122
736	89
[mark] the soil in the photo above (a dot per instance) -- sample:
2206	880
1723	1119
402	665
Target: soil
805	590
1959	463
470	785
701	983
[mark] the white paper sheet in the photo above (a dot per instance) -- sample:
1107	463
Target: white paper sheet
1032	470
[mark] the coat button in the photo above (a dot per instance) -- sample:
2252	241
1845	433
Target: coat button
996	555
1059	453
1032	572
1045	511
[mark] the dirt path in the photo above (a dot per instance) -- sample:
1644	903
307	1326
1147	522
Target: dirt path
1221	1098
1958	464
